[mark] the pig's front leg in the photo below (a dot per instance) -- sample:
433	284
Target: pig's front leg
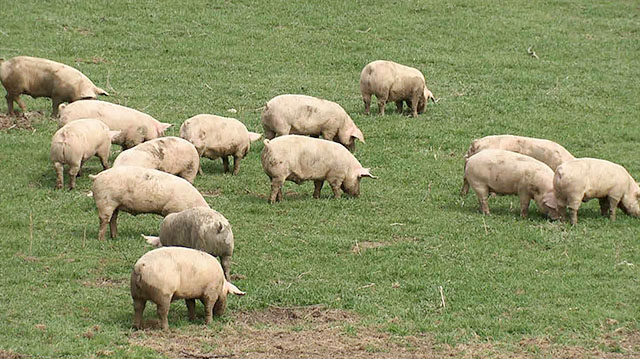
318	187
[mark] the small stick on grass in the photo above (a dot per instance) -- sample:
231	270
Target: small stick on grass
30	232
532	53
442	302
84	236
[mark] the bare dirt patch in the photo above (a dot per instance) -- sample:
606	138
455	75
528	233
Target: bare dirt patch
106	283
21	120
360	247
7	354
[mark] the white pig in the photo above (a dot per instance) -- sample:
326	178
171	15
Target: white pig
219	137
582	179
390	81
199	228
542	150
166	274
75	143
306	115
300	158
140	190
135	126
168	154
505	172
45	78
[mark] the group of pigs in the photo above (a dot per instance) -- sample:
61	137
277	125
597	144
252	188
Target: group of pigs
546	172
154	174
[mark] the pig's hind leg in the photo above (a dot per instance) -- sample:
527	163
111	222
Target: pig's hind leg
59	174
138	310
162	307
483	194
276	189
225	164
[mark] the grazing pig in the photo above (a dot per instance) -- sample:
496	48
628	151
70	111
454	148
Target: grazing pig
219	137
45	78
306	115
166	274
545	151
135	126
390	81
168	154
199	228
300	158
582	179
505	172
75	143
140	190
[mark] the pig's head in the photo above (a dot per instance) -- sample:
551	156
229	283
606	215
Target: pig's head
161	127
629	202
351	183
550	205
349	135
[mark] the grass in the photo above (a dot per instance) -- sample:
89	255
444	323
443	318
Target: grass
504	278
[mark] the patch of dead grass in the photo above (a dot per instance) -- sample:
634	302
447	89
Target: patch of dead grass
318	332
8	354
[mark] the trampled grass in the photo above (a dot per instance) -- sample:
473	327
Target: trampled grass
503	277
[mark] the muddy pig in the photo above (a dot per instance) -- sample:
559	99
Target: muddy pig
390	81
168	154
219	137
135	126
199	228
505	172
300	158
136	190
306	115
585	178
171	273
45	78
548	152
75	143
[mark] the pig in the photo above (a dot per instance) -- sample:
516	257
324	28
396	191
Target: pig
170	273
75	143
219	137
199	228
140	190
582	179
300	158
505	172
306	115
390	81
135	126
168	154
548	152
45	78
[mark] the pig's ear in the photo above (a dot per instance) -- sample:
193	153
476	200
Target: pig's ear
365	172
162	126
230	288
357	134
152	240
100	91
113	134
254	136
549	200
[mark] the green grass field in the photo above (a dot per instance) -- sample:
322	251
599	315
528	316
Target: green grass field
504	278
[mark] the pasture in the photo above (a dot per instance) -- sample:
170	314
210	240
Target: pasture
409	268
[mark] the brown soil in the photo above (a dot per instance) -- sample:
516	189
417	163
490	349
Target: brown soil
21	120
317	332
9	355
